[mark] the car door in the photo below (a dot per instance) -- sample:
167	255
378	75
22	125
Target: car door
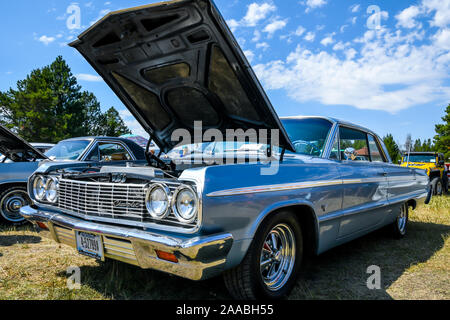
364	181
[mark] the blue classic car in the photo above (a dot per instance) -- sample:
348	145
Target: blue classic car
19	159
250	211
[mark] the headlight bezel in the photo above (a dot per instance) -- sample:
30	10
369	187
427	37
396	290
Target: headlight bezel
174	204
148	194
34	188
55	180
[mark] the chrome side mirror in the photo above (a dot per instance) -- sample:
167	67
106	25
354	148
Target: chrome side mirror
350	153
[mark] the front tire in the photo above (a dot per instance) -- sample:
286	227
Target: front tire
399	227
437	186
11	200
271	265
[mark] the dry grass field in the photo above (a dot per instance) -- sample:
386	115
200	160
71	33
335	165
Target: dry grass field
416	267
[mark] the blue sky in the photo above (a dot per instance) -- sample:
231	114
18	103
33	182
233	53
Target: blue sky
383	64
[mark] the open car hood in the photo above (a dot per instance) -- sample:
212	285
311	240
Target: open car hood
17	149
177	62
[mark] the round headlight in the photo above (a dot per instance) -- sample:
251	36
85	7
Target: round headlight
185	204
39	187
51	189
157	201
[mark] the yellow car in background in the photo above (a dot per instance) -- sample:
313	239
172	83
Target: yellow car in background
434	164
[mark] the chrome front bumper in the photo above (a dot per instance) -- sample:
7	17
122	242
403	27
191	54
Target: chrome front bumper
199	258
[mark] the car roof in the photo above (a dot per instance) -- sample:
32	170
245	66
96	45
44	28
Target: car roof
98	138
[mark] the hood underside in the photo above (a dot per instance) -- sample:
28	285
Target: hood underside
175	63
17	149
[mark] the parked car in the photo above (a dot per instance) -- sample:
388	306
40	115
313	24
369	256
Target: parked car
18	160
434	165
42	147
176	63
21	160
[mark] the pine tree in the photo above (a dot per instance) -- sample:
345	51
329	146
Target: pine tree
49	106
392	147
442	137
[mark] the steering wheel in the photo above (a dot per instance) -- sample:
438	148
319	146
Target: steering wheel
312	145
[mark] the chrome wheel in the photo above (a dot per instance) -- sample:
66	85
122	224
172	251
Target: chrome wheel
11	203
277	257
402	220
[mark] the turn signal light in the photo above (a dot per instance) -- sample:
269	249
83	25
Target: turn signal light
42	225
166	256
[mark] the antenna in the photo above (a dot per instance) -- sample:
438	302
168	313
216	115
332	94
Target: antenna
408	145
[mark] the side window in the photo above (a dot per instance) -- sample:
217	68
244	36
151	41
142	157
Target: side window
335	154
353	145
113	152
375	153
93	156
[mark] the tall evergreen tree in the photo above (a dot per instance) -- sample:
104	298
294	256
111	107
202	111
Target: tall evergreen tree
49	106
112	124
442	137
392	147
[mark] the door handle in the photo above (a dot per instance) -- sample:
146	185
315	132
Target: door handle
384	174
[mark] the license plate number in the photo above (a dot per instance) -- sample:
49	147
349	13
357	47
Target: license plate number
90	245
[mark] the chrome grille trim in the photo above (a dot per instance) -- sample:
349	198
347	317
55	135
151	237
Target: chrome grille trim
100	201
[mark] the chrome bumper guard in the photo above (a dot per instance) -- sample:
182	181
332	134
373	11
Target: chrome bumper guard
199	258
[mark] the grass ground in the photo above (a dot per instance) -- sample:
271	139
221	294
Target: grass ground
416	267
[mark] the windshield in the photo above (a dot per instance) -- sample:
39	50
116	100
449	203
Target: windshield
421	158
67	150
308	135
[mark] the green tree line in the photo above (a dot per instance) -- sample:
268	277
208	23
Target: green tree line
49	106
440	142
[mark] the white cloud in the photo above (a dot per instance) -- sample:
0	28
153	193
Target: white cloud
232	24
355	8
442	39
327	40
256	36
132	123
46	40
310	36
88	77
274	26
442	11
312	4
257	12
391	71
250	55
300	30
263	45
406	18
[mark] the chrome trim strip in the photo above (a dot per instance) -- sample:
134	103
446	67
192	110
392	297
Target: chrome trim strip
294	186
273	188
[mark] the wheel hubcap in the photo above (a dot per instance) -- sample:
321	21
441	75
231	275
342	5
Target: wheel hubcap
401	220
277	257
11	204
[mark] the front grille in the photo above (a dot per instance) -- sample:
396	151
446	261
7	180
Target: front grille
115	201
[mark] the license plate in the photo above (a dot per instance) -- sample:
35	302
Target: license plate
90	245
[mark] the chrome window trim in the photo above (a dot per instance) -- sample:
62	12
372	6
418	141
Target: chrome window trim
95	143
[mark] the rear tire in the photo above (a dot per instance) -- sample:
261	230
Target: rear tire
399	227
437	186
271	265
11	200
